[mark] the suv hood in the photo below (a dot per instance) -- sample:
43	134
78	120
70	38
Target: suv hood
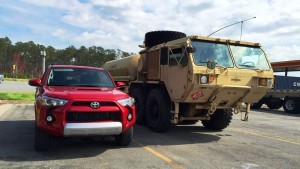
90	93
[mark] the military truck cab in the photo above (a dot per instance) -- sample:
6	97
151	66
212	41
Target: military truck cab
180	80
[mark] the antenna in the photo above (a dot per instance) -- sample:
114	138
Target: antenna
233	24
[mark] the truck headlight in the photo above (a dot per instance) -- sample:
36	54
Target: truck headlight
127	102
203	79
49	101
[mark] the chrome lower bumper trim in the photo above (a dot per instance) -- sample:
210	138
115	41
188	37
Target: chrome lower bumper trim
86	129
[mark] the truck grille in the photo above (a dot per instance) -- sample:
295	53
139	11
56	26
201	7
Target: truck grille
92	116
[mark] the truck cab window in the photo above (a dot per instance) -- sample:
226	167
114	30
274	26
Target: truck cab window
217	52
249	57
177	57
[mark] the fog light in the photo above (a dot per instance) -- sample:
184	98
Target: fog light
129	117
49	118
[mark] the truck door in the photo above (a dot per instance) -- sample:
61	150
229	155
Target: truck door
175	72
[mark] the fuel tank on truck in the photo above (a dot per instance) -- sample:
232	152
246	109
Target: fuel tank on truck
124	69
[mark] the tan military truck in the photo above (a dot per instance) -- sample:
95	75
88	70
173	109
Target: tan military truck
180	80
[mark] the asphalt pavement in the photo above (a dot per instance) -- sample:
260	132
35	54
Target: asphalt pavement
15	86
271	139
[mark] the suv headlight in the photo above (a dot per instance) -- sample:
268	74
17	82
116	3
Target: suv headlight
127	102
49	101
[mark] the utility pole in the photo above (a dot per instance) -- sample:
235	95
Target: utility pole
43	54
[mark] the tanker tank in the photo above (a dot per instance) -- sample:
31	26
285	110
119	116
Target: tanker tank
124	69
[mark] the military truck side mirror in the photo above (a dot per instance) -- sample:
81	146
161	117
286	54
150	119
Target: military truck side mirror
211	64
191	49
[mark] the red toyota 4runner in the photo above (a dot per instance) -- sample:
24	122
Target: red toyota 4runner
81	101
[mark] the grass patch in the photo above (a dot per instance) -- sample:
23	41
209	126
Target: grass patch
14	79
28	96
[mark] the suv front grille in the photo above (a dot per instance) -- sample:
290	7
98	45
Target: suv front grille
92	116
89	103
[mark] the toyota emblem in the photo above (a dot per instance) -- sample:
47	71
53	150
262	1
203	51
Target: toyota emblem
95	105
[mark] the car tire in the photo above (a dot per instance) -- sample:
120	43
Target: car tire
158	114
219	120
124	139
140	97
291	106
42	141
157	37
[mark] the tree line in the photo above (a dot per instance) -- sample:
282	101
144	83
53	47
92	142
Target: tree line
24	59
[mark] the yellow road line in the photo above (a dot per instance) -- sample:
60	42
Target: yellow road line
161	156
168	160
269	137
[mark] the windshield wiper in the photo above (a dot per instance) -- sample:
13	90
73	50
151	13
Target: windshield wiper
261	70
84	85
248	66
87	85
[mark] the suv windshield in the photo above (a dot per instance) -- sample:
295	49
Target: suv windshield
249	57
79	77
217	52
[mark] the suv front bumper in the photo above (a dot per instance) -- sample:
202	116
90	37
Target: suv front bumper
85	129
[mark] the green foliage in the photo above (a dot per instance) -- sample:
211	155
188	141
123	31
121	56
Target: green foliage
27	57
17	96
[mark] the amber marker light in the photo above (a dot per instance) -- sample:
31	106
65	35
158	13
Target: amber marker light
263	82
211	79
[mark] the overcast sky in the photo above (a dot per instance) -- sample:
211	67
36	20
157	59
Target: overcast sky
121	24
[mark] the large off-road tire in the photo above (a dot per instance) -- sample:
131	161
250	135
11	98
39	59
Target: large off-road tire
158	37
124	139
291	105
219	120
140	97
158	107
42	141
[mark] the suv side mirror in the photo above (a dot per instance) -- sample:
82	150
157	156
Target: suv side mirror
121	85
34	82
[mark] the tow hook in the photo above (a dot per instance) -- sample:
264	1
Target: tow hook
238	109
212	108
246	113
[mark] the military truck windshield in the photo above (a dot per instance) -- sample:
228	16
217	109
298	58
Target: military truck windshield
79	77
206	51
249	57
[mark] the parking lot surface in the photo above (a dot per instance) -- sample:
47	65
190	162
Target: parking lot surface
15	86
271	139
